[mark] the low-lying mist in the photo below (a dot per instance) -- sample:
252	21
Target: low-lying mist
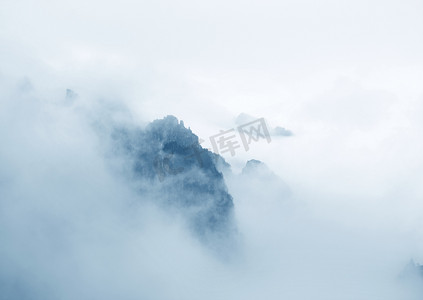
76	223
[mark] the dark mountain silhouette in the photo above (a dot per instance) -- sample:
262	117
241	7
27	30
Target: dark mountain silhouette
168	162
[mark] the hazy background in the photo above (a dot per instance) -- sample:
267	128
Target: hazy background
344	76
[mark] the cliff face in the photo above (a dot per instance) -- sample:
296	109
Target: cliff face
168	162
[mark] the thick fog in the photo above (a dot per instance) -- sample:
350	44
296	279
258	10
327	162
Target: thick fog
336	211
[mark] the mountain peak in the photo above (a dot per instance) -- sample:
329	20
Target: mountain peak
167	160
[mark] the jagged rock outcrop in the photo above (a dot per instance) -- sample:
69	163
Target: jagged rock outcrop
168	162
258	175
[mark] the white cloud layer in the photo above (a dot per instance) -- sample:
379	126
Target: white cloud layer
344	76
